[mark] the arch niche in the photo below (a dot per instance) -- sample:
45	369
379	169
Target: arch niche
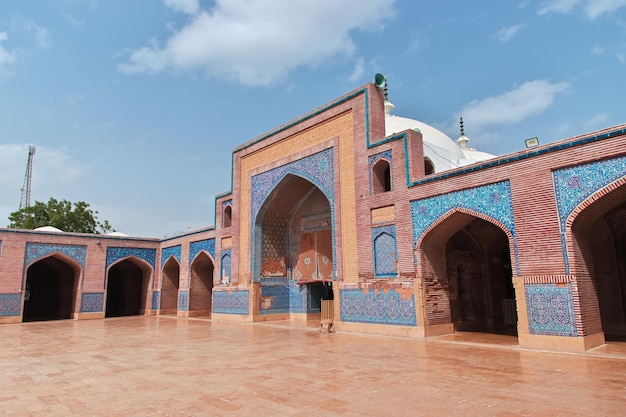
201	285
169	286
465	262
128	282
293	236
597	257
50	289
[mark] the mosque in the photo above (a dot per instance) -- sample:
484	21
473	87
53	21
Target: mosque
375	223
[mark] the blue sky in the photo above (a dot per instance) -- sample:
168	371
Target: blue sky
135	106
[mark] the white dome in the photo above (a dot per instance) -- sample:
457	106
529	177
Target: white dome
120	234
443	152
49	229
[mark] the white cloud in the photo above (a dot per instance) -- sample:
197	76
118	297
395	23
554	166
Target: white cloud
595	8
508	32
185	6
359	69
257	42
6	57
40	33
597	121
526	100
591	8
557	6
597	50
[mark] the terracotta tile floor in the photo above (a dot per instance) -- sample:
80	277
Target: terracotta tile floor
142	366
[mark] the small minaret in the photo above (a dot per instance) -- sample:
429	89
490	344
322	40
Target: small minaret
462	140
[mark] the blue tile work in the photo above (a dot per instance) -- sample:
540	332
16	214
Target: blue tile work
376	307
206	245
317	168
492	200
231	302
10	305
35	251
227	203
387	155
550	309
225	264
183	301
115	254
574	185
280	298
385	251
298	297
156	300
92	302
174	251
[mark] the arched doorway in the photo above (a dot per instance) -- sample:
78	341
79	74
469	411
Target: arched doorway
294	241
598	261
169	287
50	291
127	288
201	285
468	278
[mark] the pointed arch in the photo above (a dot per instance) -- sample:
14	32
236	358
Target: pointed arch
127	285
170	282
50	288
201	281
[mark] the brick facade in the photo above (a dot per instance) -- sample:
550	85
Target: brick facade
527	244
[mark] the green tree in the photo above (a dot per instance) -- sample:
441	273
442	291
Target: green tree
64	215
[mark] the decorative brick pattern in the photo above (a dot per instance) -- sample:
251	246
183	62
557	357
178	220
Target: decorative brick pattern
10	304
115	253
156	300
377	307
385	251
174	251
231	302
550	309
92	302
35	251
183	301
492	201
572	186
207	245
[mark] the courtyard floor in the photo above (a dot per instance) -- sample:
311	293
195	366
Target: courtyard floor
148	366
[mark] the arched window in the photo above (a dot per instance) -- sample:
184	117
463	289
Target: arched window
381	177
227	216
429	167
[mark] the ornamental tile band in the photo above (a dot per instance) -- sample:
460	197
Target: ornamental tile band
114	254
376	307
492	200
317	168
231	302
10	305
174	251
195	248
92	302
574	185
35	251
550	310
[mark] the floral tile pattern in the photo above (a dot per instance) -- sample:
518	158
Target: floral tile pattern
36	251
550	310
207	245
92	302
10	305
385	251
174	251
231	302
115	253
376	307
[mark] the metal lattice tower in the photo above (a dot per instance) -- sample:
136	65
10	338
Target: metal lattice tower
25	200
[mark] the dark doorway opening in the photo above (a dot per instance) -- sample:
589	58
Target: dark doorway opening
126	287
50	290
201	285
